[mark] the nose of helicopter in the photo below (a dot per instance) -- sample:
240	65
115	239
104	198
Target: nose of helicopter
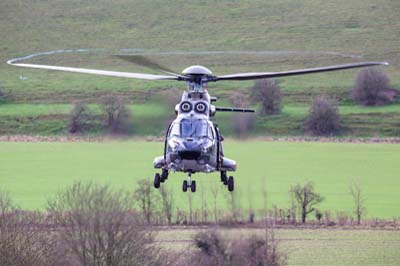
190	150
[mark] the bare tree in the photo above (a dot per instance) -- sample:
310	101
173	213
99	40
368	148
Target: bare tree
167	197
372	87
81	118
356	192
323	118
190	205
204	213
214	191
233	201
21	243
116	114
146	198
2	94
268	93
306	198
101	228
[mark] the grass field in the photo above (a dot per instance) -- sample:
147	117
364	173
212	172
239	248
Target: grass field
285	34
313	247
34	172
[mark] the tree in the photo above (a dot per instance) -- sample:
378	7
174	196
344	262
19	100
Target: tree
100	227
268	93
356	192
167	197
323	118
2	94
372	87
116	114
306	198
214	191
81	118
242	122
21	243
146	198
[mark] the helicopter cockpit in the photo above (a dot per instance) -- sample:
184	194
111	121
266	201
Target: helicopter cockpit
191	129
191	138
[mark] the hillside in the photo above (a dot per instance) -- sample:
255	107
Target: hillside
286	35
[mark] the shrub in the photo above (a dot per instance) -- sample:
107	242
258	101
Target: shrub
213	249
268	93
117	116
81	118
323	118
372	87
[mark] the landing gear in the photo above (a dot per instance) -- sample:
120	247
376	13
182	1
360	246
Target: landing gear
231	184
189	183
184	186
157	180
160	178
193	186
164	175
224	178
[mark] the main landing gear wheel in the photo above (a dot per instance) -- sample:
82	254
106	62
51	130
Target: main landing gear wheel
231	183
193	186
157	180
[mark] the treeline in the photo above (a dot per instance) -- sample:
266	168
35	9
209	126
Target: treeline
159	207
90	224
372	88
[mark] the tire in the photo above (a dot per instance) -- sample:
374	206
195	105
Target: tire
193	186
184	186
157	180
231	184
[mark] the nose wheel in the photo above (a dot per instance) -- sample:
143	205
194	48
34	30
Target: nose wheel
189	183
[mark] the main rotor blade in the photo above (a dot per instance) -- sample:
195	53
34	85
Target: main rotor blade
97	72
146	62
264	75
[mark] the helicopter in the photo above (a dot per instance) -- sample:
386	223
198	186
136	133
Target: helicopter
193	141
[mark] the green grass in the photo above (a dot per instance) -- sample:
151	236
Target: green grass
313	247
33	172
356	30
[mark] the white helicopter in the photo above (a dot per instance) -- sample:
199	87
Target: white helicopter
193	142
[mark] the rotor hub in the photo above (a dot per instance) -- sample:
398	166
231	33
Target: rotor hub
197	70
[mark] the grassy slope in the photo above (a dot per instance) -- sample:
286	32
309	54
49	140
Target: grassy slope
363	28
35	171
314	247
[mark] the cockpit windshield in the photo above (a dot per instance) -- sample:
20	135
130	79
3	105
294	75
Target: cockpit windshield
191	129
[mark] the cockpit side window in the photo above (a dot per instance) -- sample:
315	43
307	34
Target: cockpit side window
175	130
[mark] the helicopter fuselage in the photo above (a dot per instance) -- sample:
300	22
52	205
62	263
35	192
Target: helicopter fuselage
193	142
